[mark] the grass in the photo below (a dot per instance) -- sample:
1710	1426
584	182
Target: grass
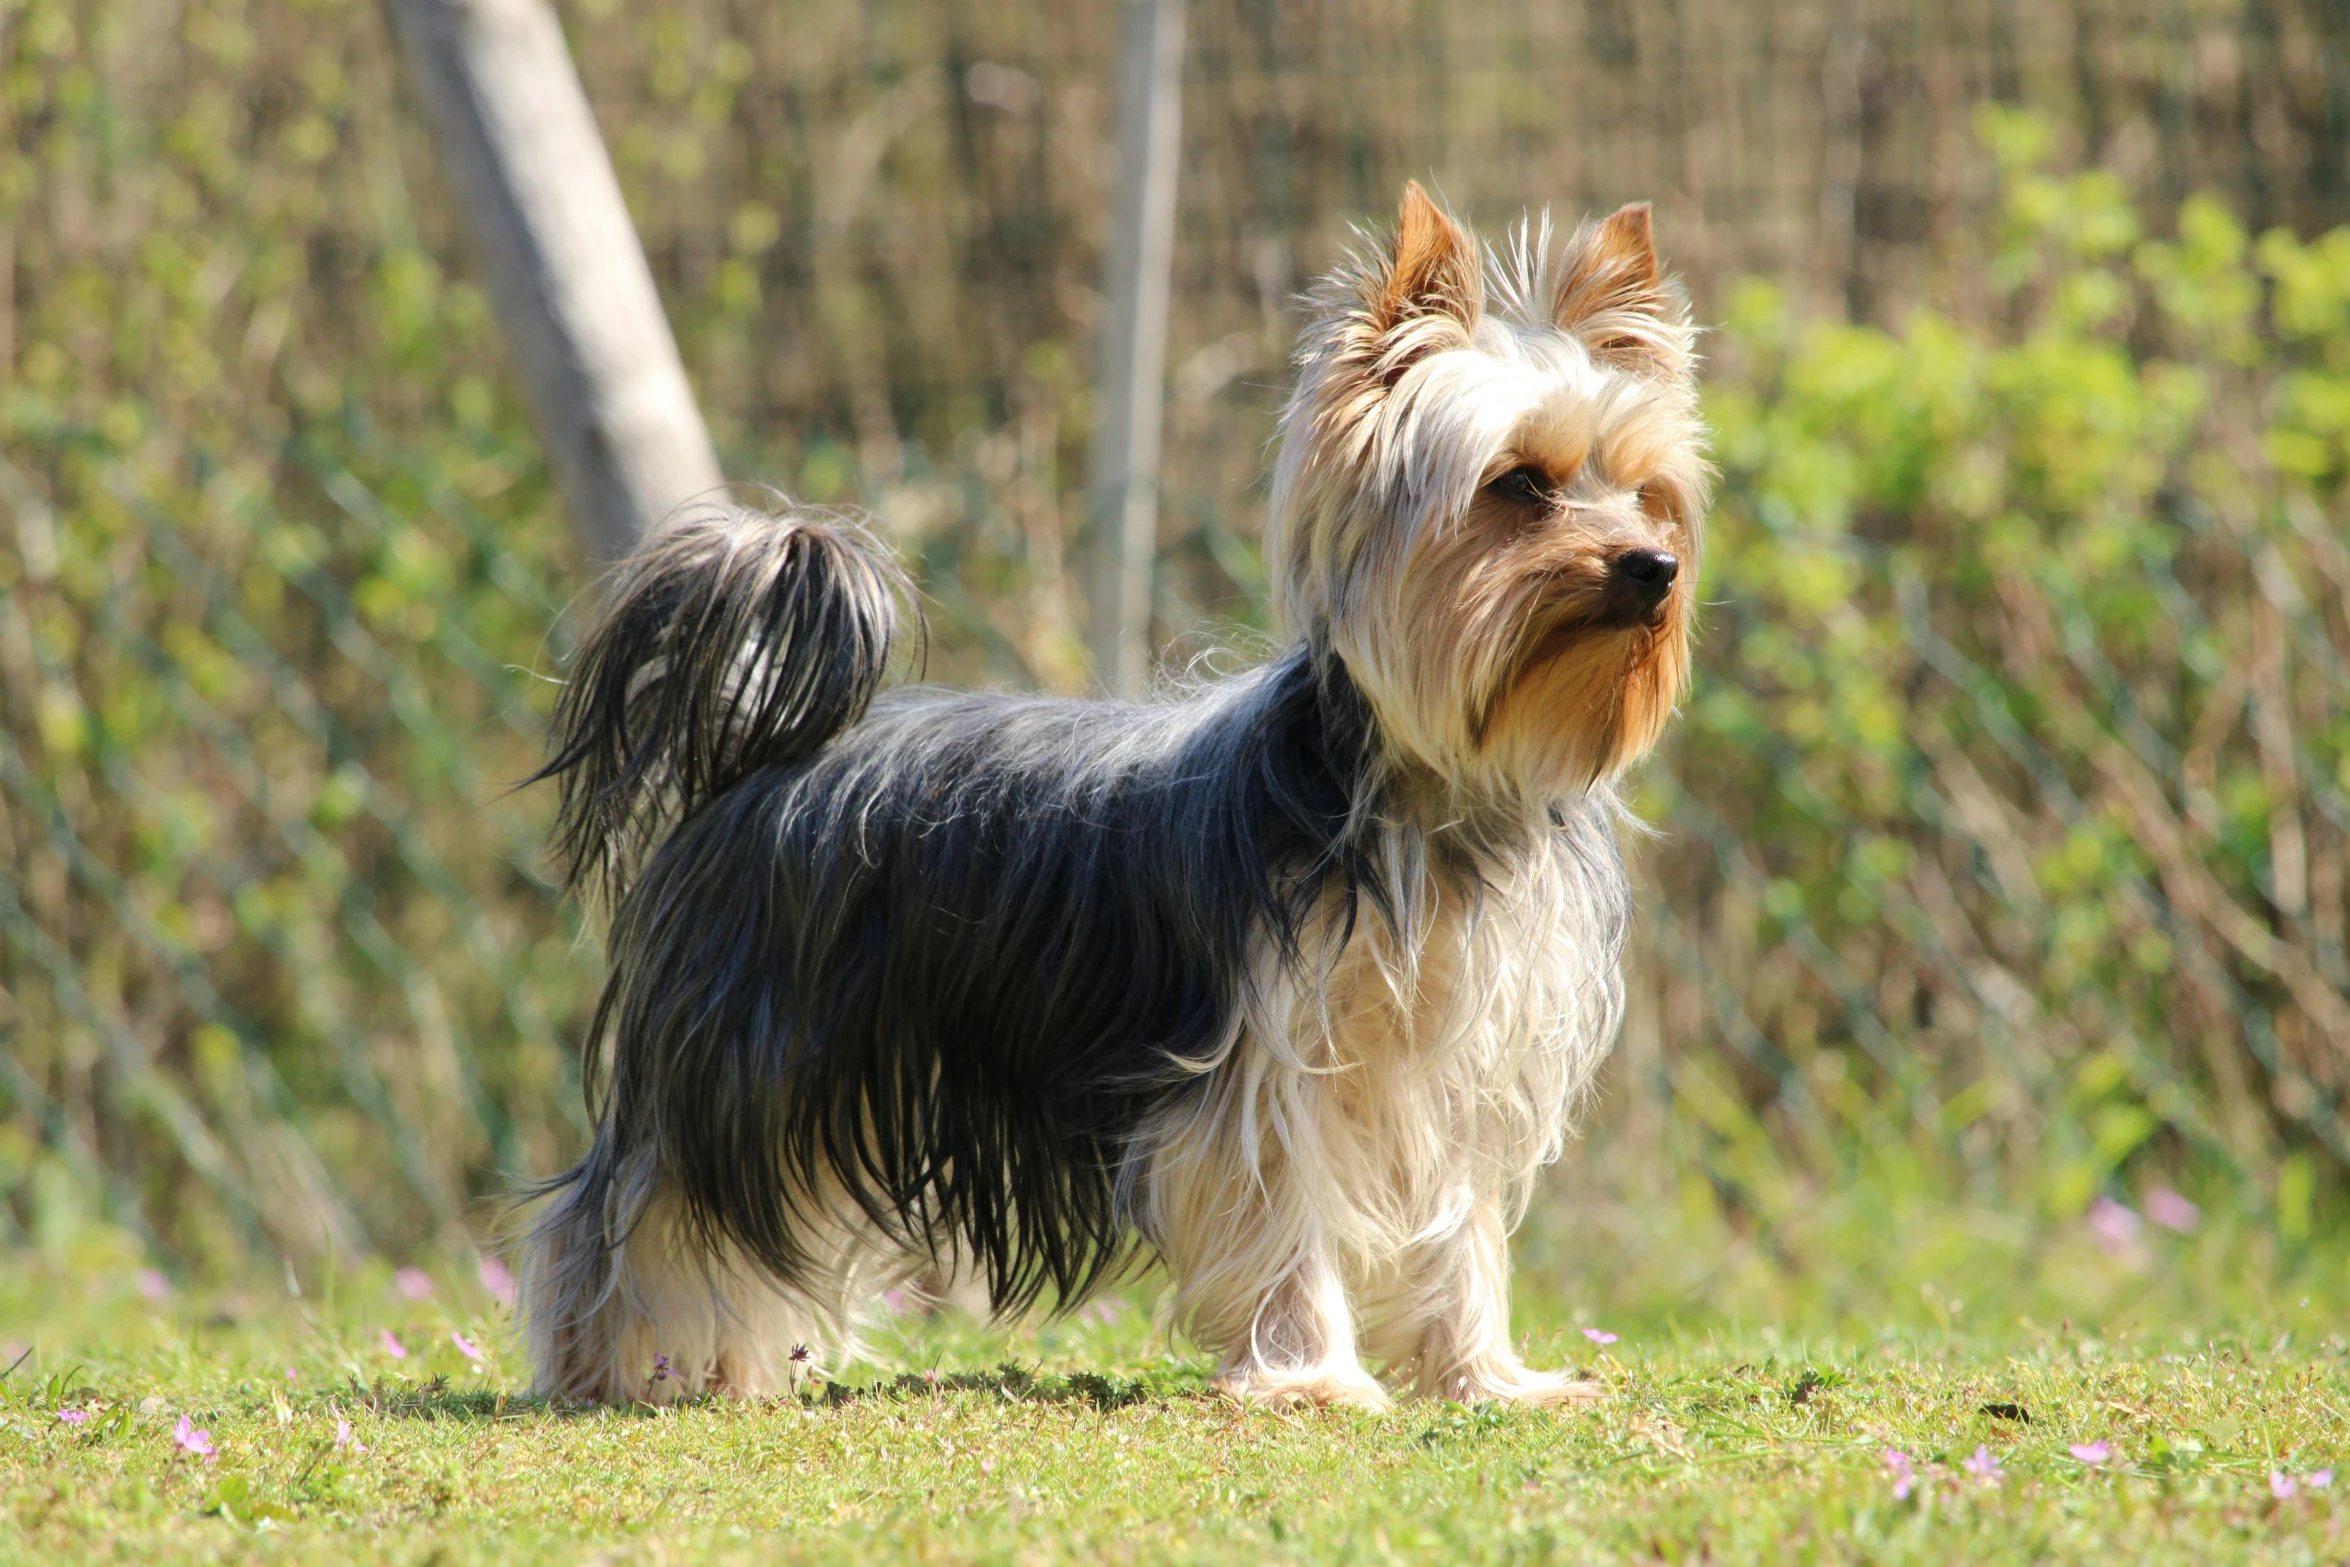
1093	1440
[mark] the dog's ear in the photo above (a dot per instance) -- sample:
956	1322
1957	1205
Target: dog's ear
1416	293
1431	271
1614	296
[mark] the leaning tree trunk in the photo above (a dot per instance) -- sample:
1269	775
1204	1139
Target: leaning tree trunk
566	273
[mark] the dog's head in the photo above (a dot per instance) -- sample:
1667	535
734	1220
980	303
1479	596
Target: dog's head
1489	496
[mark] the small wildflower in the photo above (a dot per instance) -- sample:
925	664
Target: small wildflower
465	1346
800	1355
2113	1226
2173	1212
2318	1479
74	1417
1984	1465
498	1279
1904	1473
194	1441
894	1301
413	1283
2280	1485
2096	1452
661	1371
292	1375
1599	1335
344	1438
154	1285
392	1345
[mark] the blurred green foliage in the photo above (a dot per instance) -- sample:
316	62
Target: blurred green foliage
2003	850
278	970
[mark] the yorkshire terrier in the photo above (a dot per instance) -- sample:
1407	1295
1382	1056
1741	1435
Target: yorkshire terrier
1292	981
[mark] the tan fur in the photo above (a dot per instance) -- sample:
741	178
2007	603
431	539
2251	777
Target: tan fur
1612	294
1434	271
1456	623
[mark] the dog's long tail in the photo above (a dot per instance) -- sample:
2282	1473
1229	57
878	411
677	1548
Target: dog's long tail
735	640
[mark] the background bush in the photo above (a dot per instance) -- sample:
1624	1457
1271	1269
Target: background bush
2002	857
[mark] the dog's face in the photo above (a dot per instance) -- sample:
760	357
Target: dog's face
1489	510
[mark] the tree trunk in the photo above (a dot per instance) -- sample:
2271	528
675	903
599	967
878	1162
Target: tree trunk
565	270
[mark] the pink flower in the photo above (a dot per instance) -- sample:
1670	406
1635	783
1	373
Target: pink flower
1984	1465
465	1346
192	1440
1599	1335
2280	1484
1904	1473
343	1437
392	1345
2318	1479
2173	1212
894	1300
74	1417
413	1283
498	1280
2096	1452
154	1285
2114	1227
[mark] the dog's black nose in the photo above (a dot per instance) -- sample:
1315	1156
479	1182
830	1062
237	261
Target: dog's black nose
1648	572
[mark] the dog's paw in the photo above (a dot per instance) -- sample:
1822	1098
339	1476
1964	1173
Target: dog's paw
1522	1385
1303	1389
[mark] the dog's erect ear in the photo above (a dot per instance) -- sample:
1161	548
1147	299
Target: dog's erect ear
1432	270
1613	296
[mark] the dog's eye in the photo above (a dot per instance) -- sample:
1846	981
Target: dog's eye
1523	483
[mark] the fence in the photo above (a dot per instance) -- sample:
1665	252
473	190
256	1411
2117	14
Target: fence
280	579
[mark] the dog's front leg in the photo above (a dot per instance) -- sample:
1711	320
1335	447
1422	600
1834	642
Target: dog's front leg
1256	1279
1298	1344
1462	1350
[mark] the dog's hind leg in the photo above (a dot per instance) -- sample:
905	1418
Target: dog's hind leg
654	1314
627	1301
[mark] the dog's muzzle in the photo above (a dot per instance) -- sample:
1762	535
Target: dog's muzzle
1637	582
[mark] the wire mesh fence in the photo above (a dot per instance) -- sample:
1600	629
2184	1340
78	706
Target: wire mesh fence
2008	818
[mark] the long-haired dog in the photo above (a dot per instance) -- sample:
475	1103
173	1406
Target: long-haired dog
1295	981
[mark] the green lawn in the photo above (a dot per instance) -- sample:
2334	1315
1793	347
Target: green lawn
1092	1440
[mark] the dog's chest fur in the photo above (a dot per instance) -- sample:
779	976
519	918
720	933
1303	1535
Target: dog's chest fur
1394	1070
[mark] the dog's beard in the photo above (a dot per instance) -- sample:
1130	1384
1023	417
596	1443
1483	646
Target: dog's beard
1507	654
1590	699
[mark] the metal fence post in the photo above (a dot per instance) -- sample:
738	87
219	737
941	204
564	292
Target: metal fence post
1124	494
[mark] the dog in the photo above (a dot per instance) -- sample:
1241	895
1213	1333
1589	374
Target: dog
1292	981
